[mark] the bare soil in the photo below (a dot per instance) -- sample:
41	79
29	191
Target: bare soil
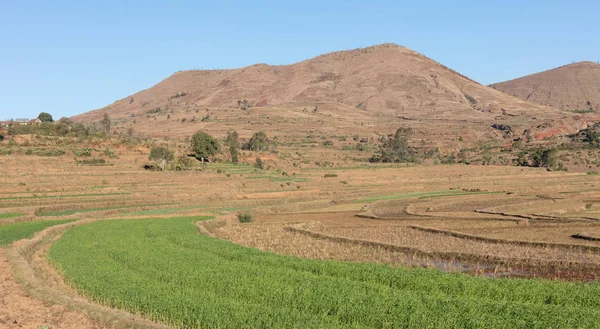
19	310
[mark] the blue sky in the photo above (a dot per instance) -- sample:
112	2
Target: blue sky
69	57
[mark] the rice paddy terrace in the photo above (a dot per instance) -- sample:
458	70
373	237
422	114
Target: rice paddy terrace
362	246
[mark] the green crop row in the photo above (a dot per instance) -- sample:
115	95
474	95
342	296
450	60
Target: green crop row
11	215
164	269
24	230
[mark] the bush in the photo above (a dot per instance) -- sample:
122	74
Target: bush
92	162
244	217
329	176
46	152
259	163
1	137
110	153
543	158
161	153
327	143
183	163
86	152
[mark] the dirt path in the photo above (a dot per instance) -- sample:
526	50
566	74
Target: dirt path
18	310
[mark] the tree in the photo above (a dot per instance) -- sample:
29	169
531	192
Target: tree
233	151
45	117
232	138
258	142
233	143
592	137
543	158
106	124
161	154
259	163
204	145
394	148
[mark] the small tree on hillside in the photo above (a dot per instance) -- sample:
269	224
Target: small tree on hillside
259	163
45	117
543	158
162	155
232	141
106	124
204	145
394	148
258	142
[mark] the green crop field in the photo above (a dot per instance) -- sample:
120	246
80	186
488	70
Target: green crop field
11	215
14	232
166	270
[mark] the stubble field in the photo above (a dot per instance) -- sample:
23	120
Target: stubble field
166	246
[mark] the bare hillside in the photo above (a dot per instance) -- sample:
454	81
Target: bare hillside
574	87
366	90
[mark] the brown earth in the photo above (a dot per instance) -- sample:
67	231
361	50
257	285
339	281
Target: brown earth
574	87
362	91
19	310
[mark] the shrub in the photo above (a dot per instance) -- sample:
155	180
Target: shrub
543	158
259	163
85	152
46	152
161	154
329	176
92	162
244	217
110	153
182	163
1	137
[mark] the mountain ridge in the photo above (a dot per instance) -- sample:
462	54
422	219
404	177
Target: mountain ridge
382	81
573	87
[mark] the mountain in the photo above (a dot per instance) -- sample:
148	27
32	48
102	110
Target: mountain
574	87
368	91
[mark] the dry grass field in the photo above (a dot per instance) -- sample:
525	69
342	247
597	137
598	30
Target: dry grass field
489	221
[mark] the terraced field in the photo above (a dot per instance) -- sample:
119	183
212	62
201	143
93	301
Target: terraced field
328	247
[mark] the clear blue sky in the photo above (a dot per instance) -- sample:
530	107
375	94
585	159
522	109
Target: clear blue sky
69	57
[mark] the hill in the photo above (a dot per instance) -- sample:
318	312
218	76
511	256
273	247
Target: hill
574	87
367	91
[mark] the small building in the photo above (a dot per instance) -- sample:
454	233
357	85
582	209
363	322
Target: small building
34	122
21	121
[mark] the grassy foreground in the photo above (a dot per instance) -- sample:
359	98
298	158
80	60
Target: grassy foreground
14	232
166	270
